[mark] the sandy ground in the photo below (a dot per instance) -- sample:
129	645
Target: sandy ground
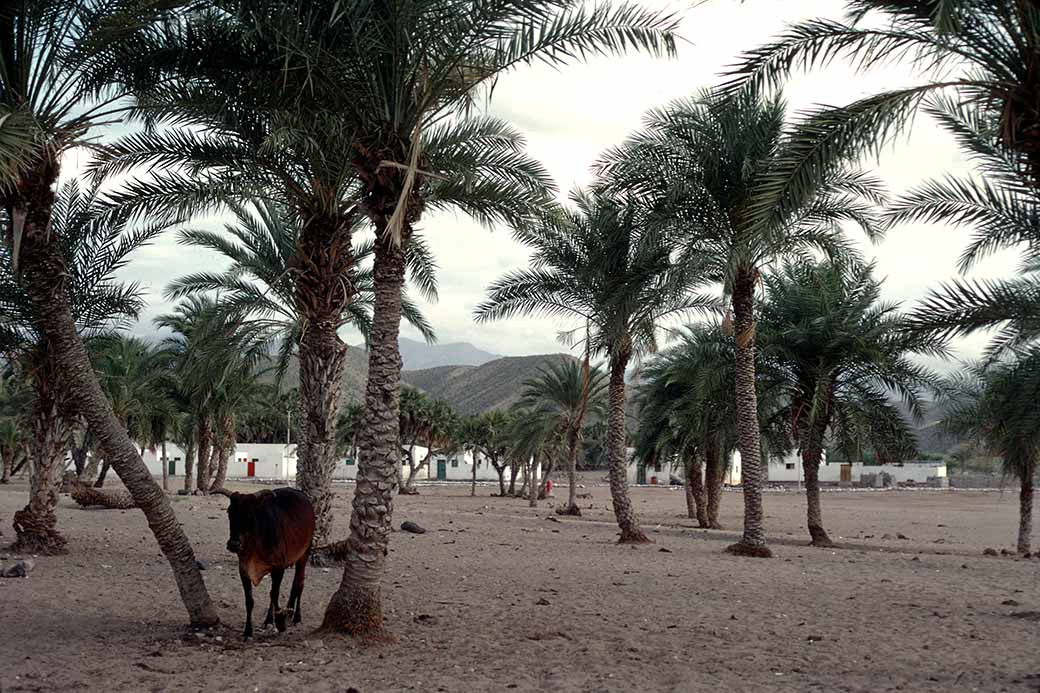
495	597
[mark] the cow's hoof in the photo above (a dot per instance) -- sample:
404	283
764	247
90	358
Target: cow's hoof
280	621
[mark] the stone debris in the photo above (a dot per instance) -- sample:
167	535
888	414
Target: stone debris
18	569
410	526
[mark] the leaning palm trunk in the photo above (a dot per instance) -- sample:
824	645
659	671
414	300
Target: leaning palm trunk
617	457
714	477
696	500
88	497
753	542
356	607
43	277
572	475
1025	505
7	462
322	294
35	525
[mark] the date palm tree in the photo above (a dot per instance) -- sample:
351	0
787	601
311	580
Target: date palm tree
220	362
843	354
565	394
994	404
970	51
259	282
56	87
1003	210
368	96
94	247
700	165
687	411
133	375
603	266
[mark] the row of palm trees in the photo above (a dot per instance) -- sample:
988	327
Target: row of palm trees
721	190
356	116
340	113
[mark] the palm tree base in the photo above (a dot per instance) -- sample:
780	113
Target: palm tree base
37	535
636	537
408	491
749	550
714	525
357	613
329	555
572	510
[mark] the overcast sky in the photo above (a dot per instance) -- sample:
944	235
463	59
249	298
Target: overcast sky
571	115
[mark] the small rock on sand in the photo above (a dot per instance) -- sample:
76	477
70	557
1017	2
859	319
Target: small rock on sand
410	526
990	552
18	569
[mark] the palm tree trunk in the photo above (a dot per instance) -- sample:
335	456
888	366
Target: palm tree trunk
322	295
514	470
811	457
43	278
501	471
1025	509
473	482
753	542
214	460
91	469
617	456
35	525
205	437
572	475
165	468
714	477
543	485
532	482
189	466
226	448
7	460
105	466
696	500
80	455
356	607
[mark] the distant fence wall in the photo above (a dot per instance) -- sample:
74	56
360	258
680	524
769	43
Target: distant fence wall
981	481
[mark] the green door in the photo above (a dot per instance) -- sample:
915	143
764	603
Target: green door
172	467
641	474
442	470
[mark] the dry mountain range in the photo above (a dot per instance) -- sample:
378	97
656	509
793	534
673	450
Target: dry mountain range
470	380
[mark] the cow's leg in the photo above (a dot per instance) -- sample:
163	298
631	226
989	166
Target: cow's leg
273	613
247	587
297	589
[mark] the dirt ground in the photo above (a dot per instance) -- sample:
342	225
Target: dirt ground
496	597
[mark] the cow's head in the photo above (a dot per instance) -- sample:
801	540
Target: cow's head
241	512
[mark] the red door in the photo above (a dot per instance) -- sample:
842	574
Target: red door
251	470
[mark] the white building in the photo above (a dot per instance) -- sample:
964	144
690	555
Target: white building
249	460
278	461
789	469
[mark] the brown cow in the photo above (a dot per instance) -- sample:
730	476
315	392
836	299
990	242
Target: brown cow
270	531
